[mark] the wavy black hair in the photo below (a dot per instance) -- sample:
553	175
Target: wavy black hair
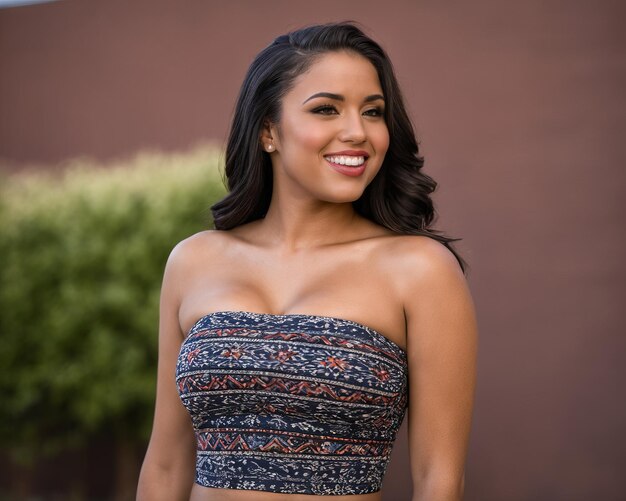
397	198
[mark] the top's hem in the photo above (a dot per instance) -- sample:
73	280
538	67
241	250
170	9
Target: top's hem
292	491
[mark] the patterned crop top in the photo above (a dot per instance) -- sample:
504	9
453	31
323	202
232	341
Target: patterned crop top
292	403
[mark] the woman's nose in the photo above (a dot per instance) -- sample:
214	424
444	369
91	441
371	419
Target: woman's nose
353	129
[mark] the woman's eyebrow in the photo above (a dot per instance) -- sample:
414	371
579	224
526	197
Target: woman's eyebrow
339	97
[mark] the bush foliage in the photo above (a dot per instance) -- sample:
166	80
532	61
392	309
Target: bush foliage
82	256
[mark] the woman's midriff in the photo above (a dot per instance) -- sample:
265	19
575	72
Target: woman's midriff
200	493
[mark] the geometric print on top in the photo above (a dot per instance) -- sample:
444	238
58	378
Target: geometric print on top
292	403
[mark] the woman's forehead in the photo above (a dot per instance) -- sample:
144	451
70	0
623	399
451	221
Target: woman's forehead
338	73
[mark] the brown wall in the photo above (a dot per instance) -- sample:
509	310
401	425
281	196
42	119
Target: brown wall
520	109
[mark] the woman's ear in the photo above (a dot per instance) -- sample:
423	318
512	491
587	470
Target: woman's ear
267	137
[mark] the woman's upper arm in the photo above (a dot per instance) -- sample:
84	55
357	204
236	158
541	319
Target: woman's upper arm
170	458
441	349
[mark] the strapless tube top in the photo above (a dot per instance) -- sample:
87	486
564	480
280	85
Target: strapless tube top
292	403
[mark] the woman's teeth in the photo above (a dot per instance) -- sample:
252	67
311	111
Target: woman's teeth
346	160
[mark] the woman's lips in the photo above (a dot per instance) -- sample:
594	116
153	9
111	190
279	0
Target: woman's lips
348	170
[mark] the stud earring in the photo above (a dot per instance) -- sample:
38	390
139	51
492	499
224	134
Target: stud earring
270	147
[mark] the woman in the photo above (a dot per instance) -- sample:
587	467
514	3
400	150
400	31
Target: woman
322	306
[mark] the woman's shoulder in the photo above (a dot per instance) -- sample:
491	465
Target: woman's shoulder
203	246
203	241
422	248
419	259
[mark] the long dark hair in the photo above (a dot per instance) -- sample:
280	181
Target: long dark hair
398	198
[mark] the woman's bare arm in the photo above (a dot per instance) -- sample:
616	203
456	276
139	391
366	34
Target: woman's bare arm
441	346
169	466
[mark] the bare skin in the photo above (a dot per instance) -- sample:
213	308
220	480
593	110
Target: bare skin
313	254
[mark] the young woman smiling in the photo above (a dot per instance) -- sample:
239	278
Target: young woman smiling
296	335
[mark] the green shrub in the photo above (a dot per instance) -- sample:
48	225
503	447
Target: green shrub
82	256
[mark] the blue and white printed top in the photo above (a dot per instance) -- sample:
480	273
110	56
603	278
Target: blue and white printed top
292	403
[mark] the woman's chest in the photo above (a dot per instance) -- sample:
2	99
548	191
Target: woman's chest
358	285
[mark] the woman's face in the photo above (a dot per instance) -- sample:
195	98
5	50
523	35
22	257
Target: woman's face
332	138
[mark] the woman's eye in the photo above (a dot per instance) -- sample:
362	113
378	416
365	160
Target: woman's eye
374	112
325	110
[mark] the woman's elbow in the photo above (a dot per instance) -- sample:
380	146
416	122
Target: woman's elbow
441	487
167	481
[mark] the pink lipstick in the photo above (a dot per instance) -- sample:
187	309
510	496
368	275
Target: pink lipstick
347	170
348	162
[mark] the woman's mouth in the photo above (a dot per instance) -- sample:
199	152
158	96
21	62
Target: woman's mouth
349	165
